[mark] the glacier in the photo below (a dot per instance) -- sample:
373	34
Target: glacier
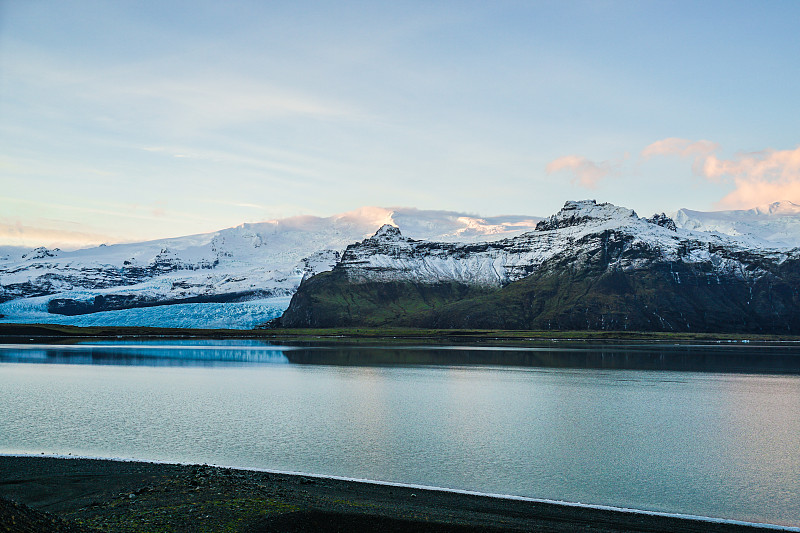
245	276
777	223
237	315
233	278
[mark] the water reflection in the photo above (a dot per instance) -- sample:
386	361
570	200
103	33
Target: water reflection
763	422
776	358
747	358
147	353
712	444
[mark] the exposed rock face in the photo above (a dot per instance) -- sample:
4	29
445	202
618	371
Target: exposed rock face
590	266
660	219
578	213
94	276
249	261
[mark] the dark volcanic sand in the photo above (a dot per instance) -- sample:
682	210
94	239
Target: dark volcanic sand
87	495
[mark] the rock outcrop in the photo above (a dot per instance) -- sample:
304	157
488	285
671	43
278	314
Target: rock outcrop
590	266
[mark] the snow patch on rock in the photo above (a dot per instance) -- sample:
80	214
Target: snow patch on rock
256	261
574	235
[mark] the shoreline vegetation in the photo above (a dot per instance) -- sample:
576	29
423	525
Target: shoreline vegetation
57	331
71	495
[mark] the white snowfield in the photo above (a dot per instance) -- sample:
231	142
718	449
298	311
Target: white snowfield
260	265
777	223
253	269
579	229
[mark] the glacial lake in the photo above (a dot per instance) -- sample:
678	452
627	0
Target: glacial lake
649	427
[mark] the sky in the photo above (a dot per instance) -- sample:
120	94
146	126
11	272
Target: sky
129	120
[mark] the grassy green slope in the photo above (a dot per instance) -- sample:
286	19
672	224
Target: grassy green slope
661	297
330	300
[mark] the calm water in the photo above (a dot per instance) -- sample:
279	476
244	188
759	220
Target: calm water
712	444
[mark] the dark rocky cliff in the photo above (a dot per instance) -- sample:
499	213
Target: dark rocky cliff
581	269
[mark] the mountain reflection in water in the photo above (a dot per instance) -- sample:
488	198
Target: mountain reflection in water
783	359
772	358
718	444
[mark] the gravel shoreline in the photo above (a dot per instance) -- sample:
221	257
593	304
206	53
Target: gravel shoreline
72	495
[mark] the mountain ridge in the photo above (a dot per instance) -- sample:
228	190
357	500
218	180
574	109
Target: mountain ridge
255	262
589	266
246	275
777	223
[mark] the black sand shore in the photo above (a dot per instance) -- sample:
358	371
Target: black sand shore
72	495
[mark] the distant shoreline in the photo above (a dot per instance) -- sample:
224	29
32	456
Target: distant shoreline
378	347
9	330
112	495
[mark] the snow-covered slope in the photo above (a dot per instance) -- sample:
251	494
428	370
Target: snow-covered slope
256	265
589	266
571	233
776	224
244	276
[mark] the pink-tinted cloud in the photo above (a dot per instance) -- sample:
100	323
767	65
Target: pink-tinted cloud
753	179
680	147
673	146
748	194
585	172
759	177
17	234
772	165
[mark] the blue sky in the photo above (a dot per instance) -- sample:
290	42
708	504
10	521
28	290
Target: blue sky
130	120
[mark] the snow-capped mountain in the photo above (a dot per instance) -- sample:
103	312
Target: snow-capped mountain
777	224
244	276
591	265
236	277
390	256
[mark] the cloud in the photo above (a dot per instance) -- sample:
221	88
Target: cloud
278	163
767	165
222	100
170	94
680	147
753	178
748	194
586	173
30	236
673	146
759	177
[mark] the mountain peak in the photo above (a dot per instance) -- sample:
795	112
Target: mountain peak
387	232
661	219
784	207
41	253
575	213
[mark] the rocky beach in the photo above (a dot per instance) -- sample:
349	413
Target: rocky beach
46	494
